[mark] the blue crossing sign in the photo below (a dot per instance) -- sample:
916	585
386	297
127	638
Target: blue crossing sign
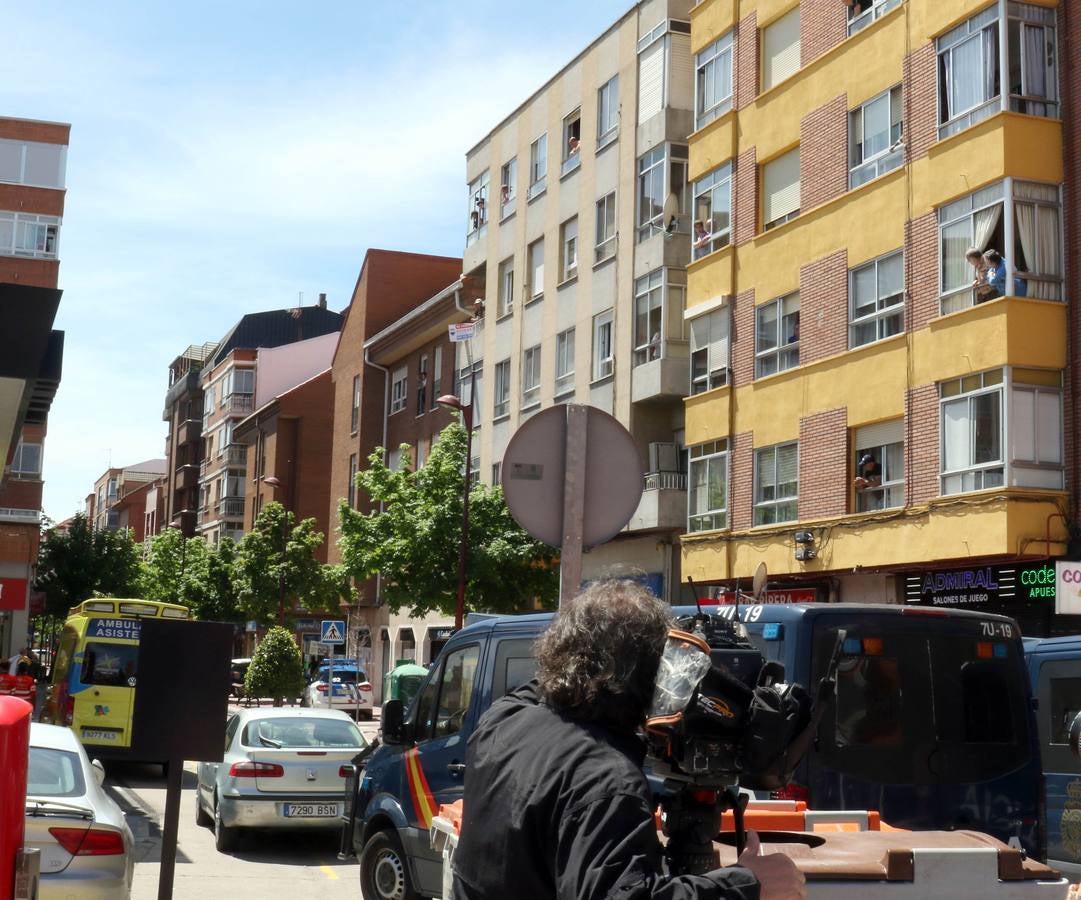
332	632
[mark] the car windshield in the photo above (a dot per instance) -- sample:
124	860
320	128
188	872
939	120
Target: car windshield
301	732
54	773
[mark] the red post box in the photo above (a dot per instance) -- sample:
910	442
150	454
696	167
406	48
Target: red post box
14	752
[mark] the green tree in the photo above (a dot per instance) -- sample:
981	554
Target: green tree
276	669
276	564
211	588
171	565
414	541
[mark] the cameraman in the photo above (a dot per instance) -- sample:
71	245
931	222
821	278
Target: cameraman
556	803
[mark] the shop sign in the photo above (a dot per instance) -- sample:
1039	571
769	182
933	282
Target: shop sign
983	585
12	593
1068	587
306	624
788	595
1036	582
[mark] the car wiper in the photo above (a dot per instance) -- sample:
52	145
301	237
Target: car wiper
270	742
35	807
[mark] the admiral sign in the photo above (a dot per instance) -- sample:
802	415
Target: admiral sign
983	586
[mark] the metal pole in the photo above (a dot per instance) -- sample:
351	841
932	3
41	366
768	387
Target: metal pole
467	418
574	491
281	583
175	779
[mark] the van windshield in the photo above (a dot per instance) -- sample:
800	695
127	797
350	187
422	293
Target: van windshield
922	701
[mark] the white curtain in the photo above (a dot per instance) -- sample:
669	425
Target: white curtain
963	77
990	62
1035	84
985	221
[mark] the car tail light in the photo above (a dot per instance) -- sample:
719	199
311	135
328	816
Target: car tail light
69	711
791	792
89	841
322	688
345	771
366	688
255	770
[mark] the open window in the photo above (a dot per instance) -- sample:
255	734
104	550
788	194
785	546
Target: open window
862	13
538	166
662	173
875	134
712	211
478	208
879	466
572	142
508	188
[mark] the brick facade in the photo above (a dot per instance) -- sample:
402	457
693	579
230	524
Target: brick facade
920	101
745	201
823	464
823	302
746	61
29	130
742	339
824	153
823	24
741	495
411	425
921	271
921	444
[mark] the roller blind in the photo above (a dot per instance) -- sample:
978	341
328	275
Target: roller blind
780	49
780	187
682	72
710	333
651	81
880	434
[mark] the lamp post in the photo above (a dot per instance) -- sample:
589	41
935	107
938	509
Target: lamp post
275	482
178	525
466	409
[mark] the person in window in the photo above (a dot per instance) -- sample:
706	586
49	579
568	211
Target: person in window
855	7
701	234
655	346
556	804
868	473
573	145
996	274
980	283
1020	286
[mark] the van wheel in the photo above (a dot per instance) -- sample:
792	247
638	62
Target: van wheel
224	837
384	872
203	819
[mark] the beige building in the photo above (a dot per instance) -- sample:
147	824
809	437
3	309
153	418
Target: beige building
578	224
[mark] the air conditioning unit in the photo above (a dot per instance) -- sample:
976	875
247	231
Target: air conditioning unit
663	457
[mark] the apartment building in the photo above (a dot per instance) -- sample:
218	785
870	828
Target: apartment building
227	378
33	164
120	495
861	417
578	221
184	441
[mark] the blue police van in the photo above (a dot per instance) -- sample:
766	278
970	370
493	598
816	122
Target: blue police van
932	726
1054	670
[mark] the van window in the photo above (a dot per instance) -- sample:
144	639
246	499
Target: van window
515	664
68	639
109	665
456	690
1065	705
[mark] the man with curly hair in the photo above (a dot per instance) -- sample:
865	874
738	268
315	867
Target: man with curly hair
556	803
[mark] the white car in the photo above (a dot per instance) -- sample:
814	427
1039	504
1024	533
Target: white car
85	844
352	691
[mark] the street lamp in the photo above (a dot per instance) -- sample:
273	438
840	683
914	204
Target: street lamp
449	401
275	482
178	525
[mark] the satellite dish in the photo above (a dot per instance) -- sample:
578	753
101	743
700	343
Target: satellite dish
670	214
758	586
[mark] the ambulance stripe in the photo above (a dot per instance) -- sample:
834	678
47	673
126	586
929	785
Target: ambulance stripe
423	801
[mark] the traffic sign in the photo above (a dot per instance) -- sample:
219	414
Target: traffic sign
332	632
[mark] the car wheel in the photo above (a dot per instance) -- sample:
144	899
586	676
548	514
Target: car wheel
366	715
384	872
202	818
224	837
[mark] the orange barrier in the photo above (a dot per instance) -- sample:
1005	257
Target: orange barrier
452	812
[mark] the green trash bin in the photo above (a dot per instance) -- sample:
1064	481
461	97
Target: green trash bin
403	681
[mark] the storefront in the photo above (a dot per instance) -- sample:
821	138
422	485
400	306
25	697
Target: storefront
437	639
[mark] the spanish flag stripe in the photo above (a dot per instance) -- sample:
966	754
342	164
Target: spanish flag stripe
423	801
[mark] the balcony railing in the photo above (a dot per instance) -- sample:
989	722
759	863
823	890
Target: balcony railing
666	481
236	454
205	515
20	516
231	507
241	404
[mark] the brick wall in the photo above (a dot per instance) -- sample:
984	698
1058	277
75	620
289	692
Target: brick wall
34	272
920	101
740	498
406	427
742	338
823	24
921	444
921	271
823	301
17	542
41	201
746	61
41	132
745	212
823	464
823	156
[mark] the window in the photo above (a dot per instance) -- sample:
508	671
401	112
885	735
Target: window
608	112
776	336
22	234
606	228
572	142
422	385
538	166
33	163
875	131
661	172
648	316
506	288
354	415
603	360
568	249
508	188
565	362
776	484
971	410
437	371
478	208
535	255
1030	35
399	385
497	478
780	49
876	300
780	190
353	480
664	60
707	499
866	11
531	376
1035	429
243	381
712	211
884	444
709	350
26	463
420	453
713	81
502	389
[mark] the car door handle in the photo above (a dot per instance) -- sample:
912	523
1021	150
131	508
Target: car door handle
456	768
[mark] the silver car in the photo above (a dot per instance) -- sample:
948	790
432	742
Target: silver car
283	768
85	843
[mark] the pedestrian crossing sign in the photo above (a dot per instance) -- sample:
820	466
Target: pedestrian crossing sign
332	632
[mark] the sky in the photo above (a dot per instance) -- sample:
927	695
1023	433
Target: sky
231	158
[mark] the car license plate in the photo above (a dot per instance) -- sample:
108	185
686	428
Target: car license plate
309	810
100	734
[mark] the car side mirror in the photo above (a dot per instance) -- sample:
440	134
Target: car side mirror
99	771
1074	740
393	722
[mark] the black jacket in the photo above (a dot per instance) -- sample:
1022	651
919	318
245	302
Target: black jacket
556	809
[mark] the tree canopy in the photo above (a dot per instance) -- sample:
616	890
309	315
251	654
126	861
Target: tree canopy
413	540
277	669
190	571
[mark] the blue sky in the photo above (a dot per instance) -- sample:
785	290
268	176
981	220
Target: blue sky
226	158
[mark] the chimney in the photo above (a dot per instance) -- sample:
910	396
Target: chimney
322	301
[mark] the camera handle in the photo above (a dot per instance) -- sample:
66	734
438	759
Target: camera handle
692	819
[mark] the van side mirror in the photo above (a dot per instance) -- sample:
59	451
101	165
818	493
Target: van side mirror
393	722
99	771
1075	736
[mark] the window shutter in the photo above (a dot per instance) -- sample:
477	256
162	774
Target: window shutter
880	434
787	460
780	187
651	81
780	50
681	68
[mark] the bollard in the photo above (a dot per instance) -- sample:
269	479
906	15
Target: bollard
14	753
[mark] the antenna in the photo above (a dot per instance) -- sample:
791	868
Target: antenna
694	591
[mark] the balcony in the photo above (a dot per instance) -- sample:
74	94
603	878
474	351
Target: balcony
187	385
665	376
20	516
205	515
236	455
239	404
186	476
663	504
231	508
190	431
